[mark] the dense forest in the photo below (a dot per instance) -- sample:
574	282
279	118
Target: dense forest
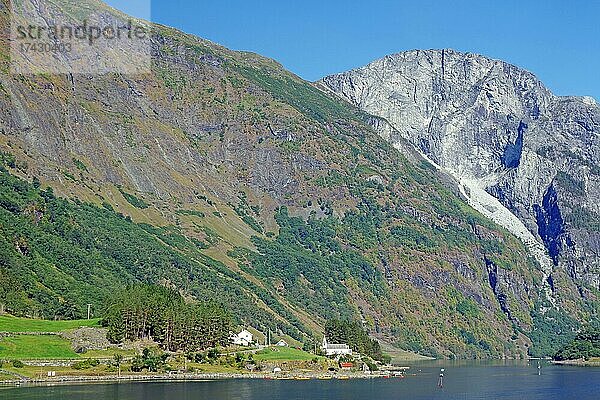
353	334
161	314
585	346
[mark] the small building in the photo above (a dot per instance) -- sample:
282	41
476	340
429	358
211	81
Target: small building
282	343
244	338
346	365
335	349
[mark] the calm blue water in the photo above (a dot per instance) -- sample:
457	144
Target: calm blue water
466	380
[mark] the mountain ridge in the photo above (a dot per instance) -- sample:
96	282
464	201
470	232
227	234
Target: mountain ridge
450	106
256	177
586	99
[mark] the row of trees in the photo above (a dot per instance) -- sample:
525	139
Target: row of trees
161	314
353	334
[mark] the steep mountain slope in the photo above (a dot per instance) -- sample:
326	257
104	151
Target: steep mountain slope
524	157
257	178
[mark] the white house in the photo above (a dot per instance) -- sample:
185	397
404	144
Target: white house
334	349
244	338
282	343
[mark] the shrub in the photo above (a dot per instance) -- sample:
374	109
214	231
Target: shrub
133	200
212	355
86	364
153	360
199	358
18	364
468	308
372	366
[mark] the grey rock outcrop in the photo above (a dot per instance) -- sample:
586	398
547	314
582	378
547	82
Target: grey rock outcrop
524	157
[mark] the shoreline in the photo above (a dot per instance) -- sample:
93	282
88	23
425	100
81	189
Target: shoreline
215	376
206	377
579	363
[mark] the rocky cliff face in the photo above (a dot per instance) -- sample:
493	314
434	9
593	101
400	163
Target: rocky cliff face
524	157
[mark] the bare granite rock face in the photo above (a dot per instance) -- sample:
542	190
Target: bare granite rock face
524	157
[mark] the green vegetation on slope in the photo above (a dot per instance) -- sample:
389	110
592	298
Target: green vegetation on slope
306	257
56	256
14	324
552	331
36	347
134	200
586	345
303	97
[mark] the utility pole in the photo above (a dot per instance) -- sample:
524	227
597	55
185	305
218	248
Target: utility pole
89	310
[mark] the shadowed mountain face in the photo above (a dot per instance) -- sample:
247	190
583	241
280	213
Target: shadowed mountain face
499	132
255	188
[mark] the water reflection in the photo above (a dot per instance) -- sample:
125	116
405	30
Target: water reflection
481	380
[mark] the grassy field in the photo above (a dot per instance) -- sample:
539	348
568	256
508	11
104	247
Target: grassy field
42	372
36	347
14	324
283	354
6	377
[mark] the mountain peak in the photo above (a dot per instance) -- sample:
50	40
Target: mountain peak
460	68
499	131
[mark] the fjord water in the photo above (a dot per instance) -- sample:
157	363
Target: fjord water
462	381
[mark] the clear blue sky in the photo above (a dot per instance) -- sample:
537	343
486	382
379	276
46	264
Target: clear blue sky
558	40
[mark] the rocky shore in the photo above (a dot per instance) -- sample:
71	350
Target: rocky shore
179	377
594	362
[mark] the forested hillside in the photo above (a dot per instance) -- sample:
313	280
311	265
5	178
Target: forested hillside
56	256
586	345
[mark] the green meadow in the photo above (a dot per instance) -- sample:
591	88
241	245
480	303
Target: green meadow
14	324
283	354
24	347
